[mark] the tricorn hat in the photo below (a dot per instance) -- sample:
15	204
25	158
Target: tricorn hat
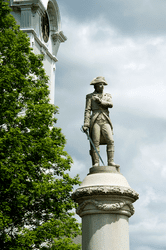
98	79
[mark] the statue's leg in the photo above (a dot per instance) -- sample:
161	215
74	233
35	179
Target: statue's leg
107	134
96	141
110	154
91	154
95	157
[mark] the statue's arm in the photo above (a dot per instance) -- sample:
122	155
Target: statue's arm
107	103
87	112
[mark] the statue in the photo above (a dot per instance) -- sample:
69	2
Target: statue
97	121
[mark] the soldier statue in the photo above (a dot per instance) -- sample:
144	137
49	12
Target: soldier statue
97	121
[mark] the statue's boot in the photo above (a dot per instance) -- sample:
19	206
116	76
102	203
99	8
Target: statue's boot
95	158
110	155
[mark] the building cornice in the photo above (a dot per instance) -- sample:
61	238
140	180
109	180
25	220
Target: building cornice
28	3
43	47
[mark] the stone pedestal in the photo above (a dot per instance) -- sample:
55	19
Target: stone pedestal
105	204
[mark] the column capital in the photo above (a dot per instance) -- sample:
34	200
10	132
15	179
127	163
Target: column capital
105	191
101	190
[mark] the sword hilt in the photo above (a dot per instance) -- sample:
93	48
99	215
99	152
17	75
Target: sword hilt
86	132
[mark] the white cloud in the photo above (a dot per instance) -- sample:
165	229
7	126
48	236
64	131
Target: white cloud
134	67
78	165
136	74
148	226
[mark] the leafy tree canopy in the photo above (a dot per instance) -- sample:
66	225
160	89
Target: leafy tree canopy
35	190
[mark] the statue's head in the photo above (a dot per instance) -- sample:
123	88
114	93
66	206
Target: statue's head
99	83
98	79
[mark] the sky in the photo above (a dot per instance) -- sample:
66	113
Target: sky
124	41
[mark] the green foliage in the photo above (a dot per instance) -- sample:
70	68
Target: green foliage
35	190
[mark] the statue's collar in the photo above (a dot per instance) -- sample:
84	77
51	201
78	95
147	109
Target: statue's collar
99	94
96	93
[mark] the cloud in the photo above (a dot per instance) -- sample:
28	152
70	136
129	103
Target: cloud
135	71
130	18
136	81
120	40
148	228
78	166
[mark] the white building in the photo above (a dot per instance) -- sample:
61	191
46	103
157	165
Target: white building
41	20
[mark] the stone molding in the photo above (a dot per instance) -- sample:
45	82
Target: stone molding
35	6
59	36
54	15
104	190
44	49
106	207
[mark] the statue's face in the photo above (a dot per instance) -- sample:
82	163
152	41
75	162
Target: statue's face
99	87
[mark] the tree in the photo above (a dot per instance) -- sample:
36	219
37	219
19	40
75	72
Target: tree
35	190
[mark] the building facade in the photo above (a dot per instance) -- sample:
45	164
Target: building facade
40	19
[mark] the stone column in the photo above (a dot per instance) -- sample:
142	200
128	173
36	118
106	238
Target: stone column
105	205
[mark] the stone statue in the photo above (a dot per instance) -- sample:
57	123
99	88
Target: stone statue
97	121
